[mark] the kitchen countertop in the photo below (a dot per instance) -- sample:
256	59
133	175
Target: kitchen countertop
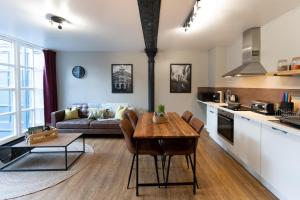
264	119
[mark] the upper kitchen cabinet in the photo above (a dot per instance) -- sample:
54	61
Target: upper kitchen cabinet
280	161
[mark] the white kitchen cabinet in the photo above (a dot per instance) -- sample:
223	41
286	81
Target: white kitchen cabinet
280	161
212	128
247	141
212	122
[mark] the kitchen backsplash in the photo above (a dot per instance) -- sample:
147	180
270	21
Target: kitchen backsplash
246	95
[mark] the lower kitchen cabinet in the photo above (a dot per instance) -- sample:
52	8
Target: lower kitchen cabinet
273	154
280	161
212	122
247	142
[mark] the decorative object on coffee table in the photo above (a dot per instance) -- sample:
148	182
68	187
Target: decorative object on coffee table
180	78
43	136
160	116
122	78
78	72
34	129
40	134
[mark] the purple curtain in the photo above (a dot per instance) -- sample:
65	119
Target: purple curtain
50	87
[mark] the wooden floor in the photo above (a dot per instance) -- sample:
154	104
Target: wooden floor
219	177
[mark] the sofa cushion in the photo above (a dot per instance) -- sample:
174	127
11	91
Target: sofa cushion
113	107
105	124
82	109
74	123
97	113
120	112
71	114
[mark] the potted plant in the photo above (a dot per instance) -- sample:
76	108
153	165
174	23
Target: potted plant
160	115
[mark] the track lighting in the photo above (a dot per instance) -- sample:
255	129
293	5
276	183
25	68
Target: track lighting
192	15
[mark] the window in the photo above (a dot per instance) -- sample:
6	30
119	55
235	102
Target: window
7	90
31	79
21	88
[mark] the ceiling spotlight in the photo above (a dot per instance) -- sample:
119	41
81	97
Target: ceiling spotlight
191	16
56	19
197	5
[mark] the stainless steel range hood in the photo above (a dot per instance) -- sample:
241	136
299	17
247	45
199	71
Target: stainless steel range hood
251	56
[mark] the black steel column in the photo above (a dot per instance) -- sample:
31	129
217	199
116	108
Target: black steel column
151	53
149	14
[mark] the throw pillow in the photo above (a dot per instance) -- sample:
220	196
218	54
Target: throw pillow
120	112
94	113
71	114
105	114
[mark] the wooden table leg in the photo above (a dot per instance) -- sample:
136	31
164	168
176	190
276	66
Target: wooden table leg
194	185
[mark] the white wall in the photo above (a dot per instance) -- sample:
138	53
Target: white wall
180	102
217	67
279	40
96	86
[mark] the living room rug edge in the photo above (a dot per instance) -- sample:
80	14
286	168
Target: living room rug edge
18	184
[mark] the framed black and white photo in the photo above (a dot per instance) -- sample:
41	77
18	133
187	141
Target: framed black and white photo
122	78
180	78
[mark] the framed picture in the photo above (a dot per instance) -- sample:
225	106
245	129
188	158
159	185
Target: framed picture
122	78
180	78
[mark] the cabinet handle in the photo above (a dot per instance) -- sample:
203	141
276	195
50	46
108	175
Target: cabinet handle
211	112
245	118
276	129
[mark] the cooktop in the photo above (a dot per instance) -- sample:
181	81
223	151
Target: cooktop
240	108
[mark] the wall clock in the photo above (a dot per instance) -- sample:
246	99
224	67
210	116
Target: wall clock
78	72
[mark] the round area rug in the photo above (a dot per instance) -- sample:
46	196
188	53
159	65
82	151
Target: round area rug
16	184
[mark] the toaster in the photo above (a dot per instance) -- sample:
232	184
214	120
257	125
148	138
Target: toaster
262	107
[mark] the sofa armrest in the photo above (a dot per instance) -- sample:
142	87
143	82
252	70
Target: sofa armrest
57	116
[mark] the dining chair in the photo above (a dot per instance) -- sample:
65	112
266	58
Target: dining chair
187	116
197	125
132	117
172	147
146	147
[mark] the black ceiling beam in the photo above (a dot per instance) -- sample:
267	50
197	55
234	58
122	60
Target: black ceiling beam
149	14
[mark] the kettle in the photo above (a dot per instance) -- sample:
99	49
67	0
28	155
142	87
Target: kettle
234	98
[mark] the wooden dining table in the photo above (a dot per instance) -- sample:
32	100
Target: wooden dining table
174	128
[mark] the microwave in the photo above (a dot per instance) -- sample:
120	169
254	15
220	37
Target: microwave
205	96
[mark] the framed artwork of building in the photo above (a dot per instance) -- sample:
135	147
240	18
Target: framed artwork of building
122	78
180	78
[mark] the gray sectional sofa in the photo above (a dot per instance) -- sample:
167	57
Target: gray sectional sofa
85	125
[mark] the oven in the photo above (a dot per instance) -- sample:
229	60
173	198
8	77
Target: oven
225	125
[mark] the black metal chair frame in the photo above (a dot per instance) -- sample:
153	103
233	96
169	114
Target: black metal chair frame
188	159
193	182
131	168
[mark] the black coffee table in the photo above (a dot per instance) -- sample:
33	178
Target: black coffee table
63	141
